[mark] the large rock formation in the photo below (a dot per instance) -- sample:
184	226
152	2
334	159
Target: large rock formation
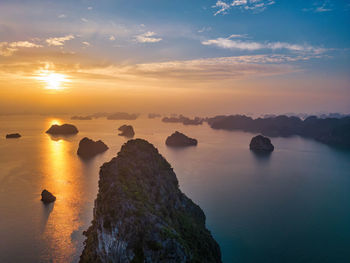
261	144
89	148
64	129
127	131
47	197
178	139
141	215
13	136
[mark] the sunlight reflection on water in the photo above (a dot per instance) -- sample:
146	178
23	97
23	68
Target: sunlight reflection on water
62	180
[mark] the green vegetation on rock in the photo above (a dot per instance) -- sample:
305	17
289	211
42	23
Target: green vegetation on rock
141	215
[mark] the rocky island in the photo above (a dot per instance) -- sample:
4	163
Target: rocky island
261	144
64	129
332	131
122	116
127	131
140	214
184	120
89	148
47	197
13	136
82	118
154	115
178	139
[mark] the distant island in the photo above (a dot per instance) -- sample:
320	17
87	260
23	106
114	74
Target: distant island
122	116
154	115
178	139
141	215
82	118
127	131
64	129
261	144
184	120
13	136
332	131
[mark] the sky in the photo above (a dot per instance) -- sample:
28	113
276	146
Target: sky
183	56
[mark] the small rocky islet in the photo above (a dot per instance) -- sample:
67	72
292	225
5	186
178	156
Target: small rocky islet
140	214
178	139
126	131
89	148
261	143
13	136
47	197
64	129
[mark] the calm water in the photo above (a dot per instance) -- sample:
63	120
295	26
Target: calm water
291	206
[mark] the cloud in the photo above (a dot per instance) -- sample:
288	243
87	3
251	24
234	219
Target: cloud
325	7
204	29
148	37
8	48
228	43
255	6
86	44
90	8
188	72
62	16
111	38
58	41
237	36
322	9
200	70
84	20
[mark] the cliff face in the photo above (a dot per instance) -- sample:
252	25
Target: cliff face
140	214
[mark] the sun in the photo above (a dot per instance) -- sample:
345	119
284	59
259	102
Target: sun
52	80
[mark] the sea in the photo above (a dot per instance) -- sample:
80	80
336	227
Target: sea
290	206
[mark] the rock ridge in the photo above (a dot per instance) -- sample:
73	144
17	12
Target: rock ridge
140	214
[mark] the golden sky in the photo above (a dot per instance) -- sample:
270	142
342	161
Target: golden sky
89	56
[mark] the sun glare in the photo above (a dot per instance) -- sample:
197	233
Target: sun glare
52	80
55	121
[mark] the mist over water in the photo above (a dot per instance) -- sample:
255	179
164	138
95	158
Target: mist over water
289	206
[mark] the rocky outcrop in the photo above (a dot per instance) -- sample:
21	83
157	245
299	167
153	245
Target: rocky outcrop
178	139
13	136
261	144
141	215
122	116
47	197
65	129
89	148
127	131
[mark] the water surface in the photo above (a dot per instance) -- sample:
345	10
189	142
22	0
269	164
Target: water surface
290	206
